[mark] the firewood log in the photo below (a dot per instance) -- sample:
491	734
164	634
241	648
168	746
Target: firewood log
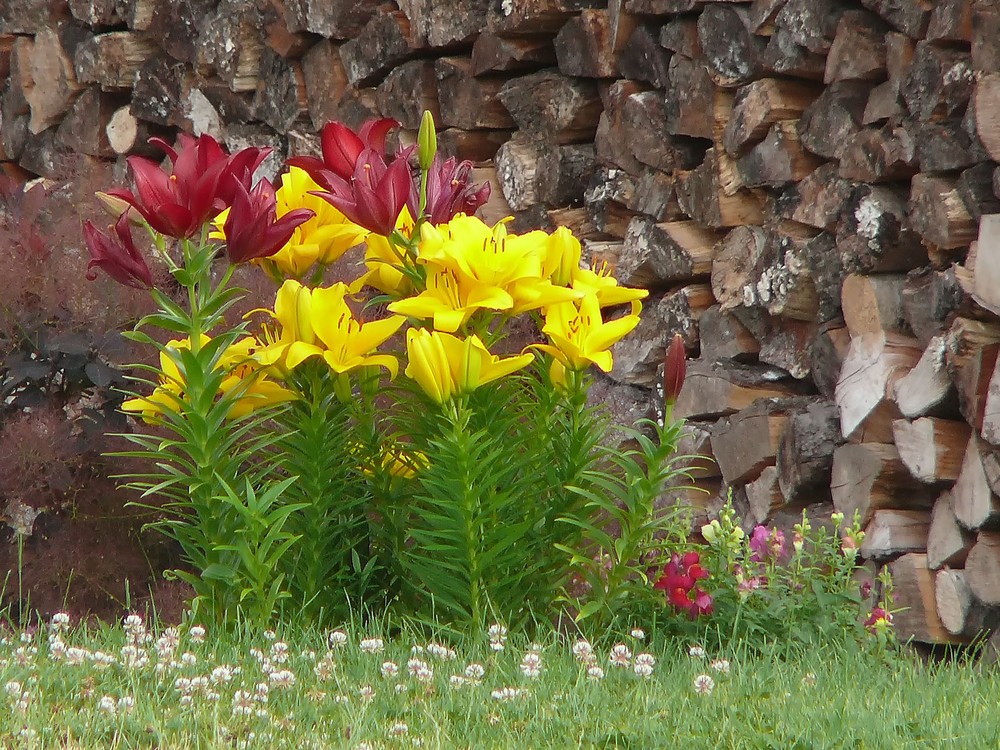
960	612
833	118
939	82
929	298
879	155
696	442
384	42
987	109
826	356
156	95
763	14
812	23
469	102
610	143
84	127
47	78
932	449
659	7
494	53
95	12
728	45
927	389
884	103
553	106
680	35
874	234
975	504
436	24
716	389
948	543
584	46
985	32
975	188
747	441
982	568
643	58
873	303
778	159
325	81
784	56
723	336
278	36
913	592
643	123
909	16
991	409
866	477
701	197
408	91
784	342
537	171
232	43
333	19
986	276
873	364
281	98
892	533
858	50
656	255
805	454
474	145
764	495
519	17
607	199
761	104
637	356
694	105
971	348
945	145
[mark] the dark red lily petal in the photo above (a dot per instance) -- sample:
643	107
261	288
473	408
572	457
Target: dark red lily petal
117	256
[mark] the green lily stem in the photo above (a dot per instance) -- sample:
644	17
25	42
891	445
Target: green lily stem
457	413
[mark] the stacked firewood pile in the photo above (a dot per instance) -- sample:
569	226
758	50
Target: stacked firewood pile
808	188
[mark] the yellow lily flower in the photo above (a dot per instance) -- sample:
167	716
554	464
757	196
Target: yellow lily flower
319	323
445	366
322	239
562	265
450	300
579	337
383	263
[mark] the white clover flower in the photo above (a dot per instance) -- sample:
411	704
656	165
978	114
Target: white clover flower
261	691
126	703
221	674
644	664
390	669
583	651
284	678
269	635
76	656
399	729
199	683
400	687
57	648
475	672
639	634
337	639
279	652
413	665
59	621
243	703
372	645
188	659
196	633
102	660
595	672
12	688
621	656
133	657
720	665
506	693
183	685
364	746
456	680
440	652
424	674
212	696
531	665
367	693
107	704
696	652
497	631
308	655
703	684
134	624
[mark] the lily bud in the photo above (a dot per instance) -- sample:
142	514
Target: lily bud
674	369
426	141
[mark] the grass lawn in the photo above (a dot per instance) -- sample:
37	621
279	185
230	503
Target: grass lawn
126	688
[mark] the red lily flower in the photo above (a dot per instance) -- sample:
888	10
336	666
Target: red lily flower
200	185
375	194
117	256
342	148
449	192
674	370
251	228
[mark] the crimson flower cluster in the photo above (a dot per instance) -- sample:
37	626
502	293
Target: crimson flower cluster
680	582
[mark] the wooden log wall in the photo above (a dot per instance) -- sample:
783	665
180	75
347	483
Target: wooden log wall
808	188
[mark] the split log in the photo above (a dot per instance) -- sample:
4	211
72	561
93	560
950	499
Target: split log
232	42
655	195
717	389
84	128
913	592
764	495
826	357
812	23
991	410
939	82
333	19
553	106
945	145
778	159
723	336
929	299
474	145
585	46
637	357
696	442
384	42
982	568
493	53
693	104
948	544
277	35
909	16
642	126
927	389
325	81
47	78
728	45
873	303
986	101
126	134
435	24
866	477
655	255
872	366
784	342
975	188
932	449
747	441
520	17
643	58
879	155
960	612
466	101
680	35
971	348
280	99
539	172
95	12
858	49
833	118
407	92
608	198
112	60
805	455
496	209
874	234
609	141
975	504
761	104
985	32
701	197
785	57
895	532
884	103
